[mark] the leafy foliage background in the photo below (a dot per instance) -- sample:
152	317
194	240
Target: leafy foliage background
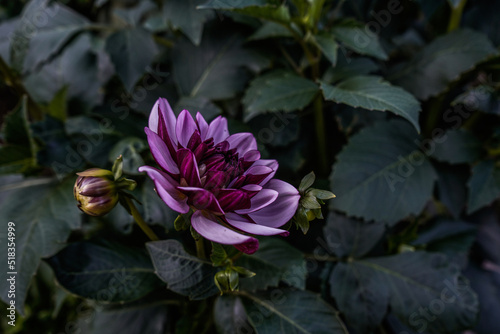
394	104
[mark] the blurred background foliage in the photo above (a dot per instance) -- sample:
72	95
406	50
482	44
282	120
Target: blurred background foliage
394	104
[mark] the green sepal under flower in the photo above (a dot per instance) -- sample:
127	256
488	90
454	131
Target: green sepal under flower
310	203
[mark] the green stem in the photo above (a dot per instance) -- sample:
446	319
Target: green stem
319	122
456	15
138	218
200	248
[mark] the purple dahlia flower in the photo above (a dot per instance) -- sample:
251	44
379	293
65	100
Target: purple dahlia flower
220	176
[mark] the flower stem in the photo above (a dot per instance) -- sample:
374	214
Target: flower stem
456	15
138	218
200	248
319	122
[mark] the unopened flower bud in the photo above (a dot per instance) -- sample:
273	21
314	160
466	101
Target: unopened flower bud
96	192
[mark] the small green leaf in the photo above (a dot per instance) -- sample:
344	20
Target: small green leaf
270	30
328	47
183	273
57	107
307	182
278	90
270	12
218	255
484	185
310	202
104	271
321	194
353	35
372	93
129	148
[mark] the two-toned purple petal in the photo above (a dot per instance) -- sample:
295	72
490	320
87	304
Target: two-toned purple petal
242	142
161	153
166	189
247	226
202	199
261	200
282	209
218	130
188	167
273	164
185	128
162	121
207	226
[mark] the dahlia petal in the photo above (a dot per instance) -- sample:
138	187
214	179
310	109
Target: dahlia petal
282	209
251	156
166	189
160	152
242	142
245	225
202	199
185	127
207	226
202	126
273	164
262	199
257	174
188	167
215	179
218	130
162	121
233	199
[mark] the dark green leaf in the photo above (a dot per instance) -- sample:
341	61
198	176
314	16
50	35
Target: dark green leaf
349	237
55	26
382	175
275	261
230	316
484	185
434	298
457	146
486	283
443	61
129	64
183	15
372	93
350	68
328	47
18	154
278	90
270	12
104	271
44	215
354	36
130	148
270	30
448	237
230	4
215	69
361	295
81	59
57	107
134	14
183	273
451	188
289	311
131	318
